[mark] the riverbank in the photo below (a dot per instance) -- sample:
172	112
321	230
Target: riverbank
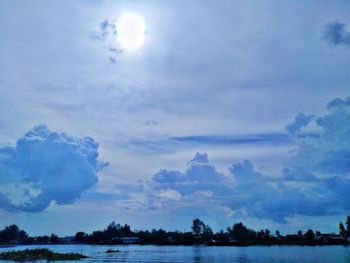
205	254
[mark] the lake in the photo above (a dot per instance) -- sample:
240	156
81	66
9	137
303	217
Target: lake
150	253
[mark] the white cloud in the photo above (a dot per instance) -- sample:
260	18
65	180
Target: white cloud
47	167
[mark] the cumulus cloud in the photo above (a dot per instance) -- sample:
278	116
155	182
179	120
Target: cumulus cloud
199	176
199	158
259	196
328	154
327	157
300	121
47	167
244	192
315	180
336	34
319	164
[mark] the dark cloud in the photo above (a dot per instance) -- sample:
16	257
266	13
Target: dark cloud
108	29
336	34
47	167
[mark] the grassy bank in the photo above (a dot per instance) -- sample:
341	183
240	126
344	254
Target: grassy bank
39	254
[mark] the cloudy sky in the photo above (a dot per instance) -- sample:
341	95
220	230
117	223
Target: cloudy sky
229	111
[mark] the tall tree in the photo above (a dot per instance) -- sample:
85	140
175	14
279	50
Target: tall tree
207	233
197	227
309	235
277	234
10	234
348	225
342	230
54	239
241	233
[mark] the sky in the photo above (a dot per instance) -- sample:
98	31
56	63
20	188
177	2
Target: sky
229	111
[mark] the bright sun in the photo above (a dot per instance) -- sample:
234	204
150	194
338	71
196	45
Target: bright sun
131	30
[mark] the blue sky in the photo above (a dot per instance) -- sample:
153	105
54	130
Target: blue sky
230	111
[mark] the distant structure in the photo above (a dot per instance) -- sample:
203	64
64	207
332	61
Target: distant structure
330	238
129	240
66	240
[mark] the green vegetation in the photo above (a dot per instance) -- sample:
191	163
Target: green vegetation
12	235
236	235
38	254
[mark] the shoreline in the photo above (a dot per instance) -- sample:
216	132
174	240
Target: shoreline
176	245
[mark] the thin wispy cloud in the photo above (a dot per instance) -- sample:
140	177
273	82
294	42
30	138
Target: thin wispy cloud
106	31
169	144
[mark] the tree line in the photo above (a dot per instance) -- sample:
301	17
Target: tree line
200	233
13	235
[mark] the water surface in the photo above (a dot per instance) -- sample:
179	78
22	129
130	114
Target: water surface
150	253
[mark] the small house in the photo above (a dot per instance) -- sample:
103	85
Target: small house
129	240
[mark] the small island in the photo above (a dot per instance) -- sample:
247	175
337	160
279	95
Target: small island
38	254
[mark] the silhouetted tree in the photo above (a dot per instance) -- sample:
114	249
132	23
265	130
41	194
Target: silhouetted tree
112	230
126	230
23	238
221	237
347	226
197	227
80	237
277	234
207	234
241	233
97	237
10	234
342	230
201	233
159	236
54	239
187	238
267	235
309	235
42	239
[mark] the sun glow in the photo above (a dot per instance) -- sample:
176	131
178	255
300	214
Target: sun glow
131	30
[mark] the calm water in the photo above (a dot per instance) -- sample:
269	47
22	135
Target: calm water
137	253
